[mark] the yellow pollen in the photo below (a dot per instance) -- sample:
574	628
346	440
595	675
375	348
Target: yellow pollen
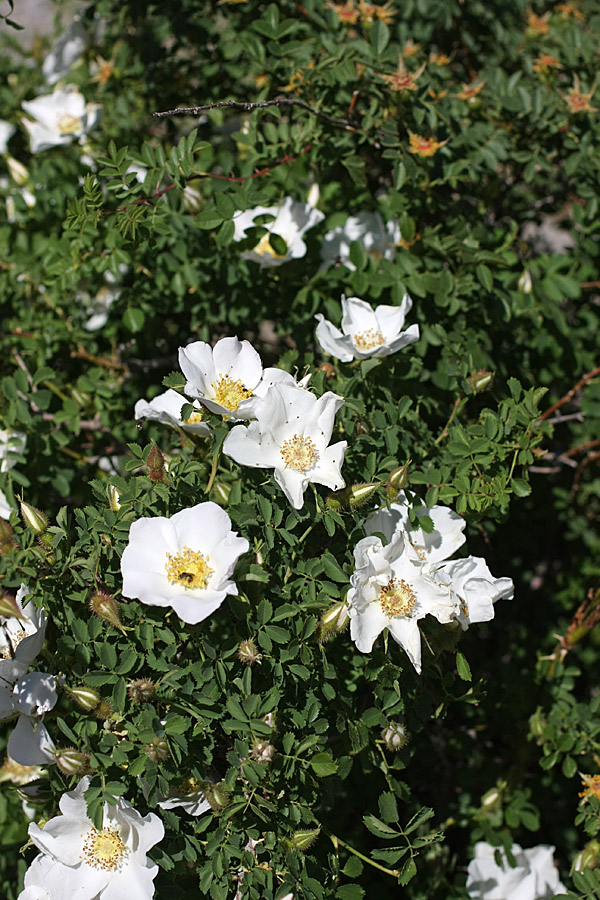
190	786
264	248
368	340
299	453
591	786
397	598
15	640
104	849
194	419
420	551
229	393
68	124
18	774
188	569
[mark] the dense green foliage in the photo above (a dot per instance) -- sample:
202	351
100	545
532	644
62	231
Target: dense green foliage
500	229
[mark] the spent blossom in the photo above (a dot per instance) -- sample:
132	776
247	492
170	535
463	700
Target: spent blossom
291	220
366	332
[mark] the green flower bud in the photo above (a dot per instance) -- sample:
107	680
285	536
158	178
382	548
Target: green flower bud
481	380
33	518
397	480
8	607
112	495
104	710
395	736
157	750
361	493
17	170
217	795
156	464
106	608
71	761
303	839
587	858
333	621
85	697
537	723
492	799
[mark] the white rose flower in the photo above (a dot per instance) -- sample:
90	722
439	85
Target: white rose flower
291	436
29	696
474	589
80	861
185	562
12	444
6	132
431	548
366	332
189	796
65	52
366	228
22	638
59	117
5	507
392	589
166	408
290	221
535	876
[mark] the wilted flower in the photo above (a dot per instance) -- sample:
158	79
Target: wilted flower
81	861
291	436
366	332
166	408
423	146
290	221
591	787
59	117
391	588
474	589
347	13
15	773
439	59
544	62
12	445
65	52
470	90
577	100
185	562
537	25
370	12
379	240
402	80
533	878
6	132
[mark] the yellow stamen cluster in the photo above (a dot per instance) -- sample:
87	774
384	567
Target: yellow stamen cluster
188	569
194	419
591	786
68	124
17	774
299	453
368	340
397	598
104	849
191	785
229	392
420	551
14	640
423	146
264	248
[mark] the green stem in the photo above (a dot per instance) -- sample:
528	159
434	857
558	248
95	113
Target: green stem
213	472
336	840
459	402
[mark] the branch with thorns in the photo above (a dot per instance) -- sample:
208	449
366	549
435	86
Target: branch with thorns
346	124
586	618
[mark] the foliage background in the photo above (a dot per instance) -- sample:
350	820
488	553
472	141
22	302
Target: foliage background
513	190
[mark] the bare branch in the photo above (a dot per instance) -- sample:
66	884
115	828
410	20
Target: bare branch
346	124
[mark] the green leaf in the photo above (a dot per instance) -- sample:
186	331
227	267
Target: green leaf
379	36
379	828
463	668
323	765
520	487
134	319
350	891
388	808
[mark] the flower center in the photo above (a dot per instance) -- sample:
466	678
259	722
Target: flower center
397	598
68	124
18	774
264	248
194	419
104	849
188	569
190	786
14	639
229	393
299	453
368	340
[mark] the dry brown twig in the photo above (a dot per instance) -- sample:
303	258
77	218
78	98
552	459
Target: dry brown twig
346	124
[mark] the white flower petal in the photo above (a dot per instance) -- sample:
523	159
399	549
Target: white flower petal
30	744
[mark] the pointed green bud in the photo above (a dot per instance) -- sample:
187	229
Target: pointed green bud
481	380
397	480
45	541
81	398
303	839
33	518
8	607
71	761
362	493
156	464
157	750
333	621
113	497
106	608
587	858
86	697
222	492
395	736
492	799
17	170
217	795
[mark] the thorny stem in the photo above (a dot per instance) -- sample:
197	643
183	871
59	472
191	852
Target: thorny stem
335	840
250	107
570	394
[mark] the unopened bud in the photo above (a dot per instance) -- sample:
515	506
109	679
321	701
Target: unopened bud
156	464
303	838
248	652
106	608
192	197
104	710
333	621
17	170
587	858
361	493
7	541
262	752
157	750
481	380
217	795
81	398
33	518
537	723
395	736
9	607
113	497
525	284
397	480
45	541
85	697
492	799
338	500
141	691
222	492
71	761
